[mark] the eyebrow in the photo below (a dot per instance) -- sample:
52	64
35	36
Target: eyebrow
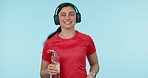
71	12
65	12
62	13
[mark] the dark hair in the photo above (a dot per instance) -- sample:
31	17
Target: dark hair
58	10
64	5
52	34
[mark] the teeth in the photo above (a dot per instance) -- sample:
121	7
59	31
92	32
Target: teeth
68	22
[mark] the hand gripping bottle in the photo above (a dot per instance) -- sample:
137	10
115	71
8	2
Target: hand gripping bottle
55	59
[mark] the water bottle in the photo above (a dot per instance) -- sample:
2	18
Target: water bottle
55	59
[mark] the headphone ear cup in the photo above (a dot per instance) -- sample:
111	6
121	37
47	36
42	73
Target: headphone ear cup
56	20
78	17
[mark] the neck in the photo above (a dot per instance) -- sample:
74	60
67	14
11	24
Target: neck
67	33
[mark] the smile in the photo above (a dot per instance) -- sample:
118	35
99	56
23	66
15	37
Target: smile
68	22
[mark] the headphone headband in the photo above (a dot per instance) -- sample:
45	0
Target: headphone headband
66	4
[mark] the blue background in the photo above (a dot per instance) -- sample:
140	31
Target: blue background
119	29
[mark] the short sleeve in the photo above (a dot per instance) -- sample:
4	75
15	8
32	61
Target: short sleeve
46	56
91	47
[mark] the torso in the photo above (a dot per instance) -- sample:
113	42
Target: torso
72	53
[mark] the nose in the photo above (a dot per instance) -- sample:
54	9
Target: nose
67	17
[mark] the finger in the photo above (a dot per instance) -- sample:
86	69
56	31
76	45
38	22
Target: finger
52	65
52	69
52	72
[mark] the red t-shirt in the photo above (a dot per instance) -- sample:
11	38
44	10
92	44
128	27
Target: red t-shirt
72	53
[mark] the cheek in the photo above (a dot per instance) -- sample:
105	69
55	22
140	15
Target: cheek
73	19
60	18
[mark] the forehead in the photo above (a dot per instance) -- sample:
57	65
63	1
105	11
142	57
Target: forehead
67	9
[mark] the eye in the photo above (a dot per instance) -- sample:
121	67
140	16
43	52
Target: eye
63	14
72	14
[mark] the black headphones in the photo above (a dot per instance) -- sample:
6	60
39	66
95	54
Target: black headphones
56	18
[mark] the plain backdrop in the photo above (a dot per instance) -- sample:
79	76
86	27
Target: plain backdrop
119	29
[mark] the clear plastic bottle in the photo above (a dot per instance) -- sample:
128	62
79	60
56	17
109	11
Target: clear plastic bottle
55	59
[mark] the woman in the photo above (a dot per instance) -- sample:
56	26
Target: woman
71	45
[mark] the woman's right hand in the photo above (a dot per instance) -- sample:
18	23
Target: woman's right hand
51	69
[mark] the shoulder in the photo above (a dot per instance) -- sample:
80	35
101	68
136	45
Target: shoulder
52	39
83	36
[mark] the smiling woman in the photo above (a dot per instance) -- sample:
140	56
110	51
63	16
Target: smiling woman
71	45
119	28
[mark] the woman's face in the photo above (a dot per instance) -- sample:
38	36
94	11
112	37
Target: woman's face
67	17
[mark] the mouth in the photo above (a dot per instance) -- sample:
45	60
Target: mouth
67	22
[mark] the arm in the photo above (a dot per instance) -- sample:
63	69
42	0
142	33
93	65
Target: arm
94	65
43	71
